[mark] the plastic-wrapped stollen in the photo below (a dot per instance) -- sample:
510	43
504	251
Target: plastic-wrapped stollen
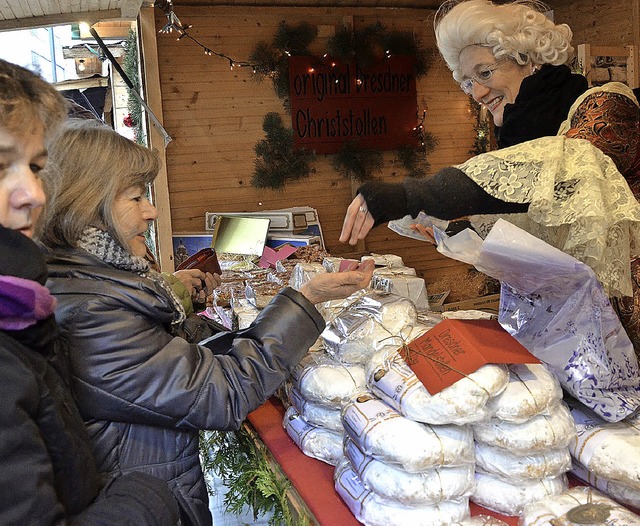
397	484
576	506
615	490
314	441
366	324
314	412
608	450
503	496
319	378
390	378
512	465
382	432
532	390
374	510
540	433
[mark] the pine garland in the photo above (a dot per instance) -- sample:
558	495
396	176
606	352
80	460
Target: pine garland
355	163
130	67
277	161
241	463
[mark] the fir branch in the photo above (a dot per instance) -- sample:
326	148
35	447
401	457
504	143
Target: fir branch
241	463
277	161
295	40
355	163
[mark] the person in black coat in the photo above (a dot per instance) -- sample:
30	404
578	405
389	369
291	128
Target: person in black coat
48	473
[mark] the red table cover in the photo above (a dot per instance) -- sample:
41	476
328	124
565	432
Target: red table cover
312	478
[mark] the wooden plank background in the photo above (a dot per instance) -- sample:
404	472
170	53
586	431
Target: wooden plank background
215	113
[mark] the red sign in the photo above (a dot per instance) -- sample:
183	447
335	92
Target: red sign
335	102
456	348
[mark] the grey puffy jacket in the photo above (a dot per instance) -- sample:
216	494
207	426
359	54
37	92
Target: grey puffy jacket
143	393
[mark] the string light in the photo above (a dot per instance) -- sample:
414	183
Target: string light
174	24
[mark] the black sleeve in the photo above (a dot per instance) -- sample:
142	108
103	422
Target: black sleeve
133	498
449	194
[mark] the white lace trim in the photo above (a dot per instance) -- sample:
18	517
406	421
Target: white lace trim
579	201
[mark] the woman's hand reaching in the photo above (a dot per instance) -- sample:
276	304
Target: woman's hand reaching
338	285
357	221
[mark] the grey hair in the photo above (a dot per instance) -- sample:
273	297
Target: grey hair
518	29
90	165
27	101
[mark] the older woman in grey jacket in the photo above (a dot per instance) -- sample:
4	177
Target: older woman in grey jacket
144	393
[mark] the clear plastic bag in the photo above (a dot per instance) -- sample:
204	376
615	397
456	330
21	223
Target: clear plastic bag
555	307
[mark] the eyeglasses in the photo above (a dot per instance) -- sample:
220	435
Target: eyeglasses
482	77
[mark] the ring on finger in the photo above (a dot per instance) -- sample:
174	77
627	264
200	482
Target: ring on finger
363	209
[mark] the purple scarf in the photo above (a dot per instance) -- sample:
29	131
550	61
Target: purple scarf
23	303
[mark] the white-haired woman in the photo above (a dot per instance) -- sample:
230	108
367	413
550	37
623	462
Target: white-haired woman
574	194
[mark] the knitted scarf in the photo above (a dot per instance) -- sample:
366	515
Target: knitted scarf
26	306
100	244
541	105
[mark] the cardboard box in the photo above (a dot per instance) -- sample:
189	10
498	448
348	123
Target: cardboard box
297	240
287	219
489	303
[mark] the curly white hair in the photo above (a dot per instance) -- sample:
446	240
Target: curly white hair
518	29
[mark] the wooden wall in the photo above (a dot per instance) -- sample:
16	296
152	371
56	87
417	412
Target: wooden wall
215	114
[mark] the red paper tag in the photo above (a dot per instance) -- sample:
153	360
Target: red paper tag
456	348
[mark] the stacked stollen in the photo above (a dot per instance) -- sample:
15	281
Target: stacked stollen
607	455
318	387
397	471
326	379
408	454
522	452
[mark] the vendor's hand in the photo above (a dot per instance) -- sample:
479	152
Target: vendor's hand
337	285
198	283
426	231
357	222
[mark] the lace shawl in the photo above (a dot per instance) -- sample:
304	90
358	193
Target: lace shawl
579	201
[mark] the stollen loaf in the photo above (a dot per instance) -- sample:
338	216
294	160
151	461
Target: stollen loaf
614	490
608	450
319	378
532	390
382	432
313	441
540	433
373	510
315	413
513	465
390	378
575	507
396	484
497	494
366	324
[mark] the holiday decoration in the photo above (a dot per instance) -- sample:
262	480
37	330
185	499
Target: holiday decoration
277	161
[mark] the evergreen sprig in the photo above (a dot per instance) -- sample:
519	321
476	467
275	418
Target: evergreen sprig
271	59
241	463
277	162
482	139
355	163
